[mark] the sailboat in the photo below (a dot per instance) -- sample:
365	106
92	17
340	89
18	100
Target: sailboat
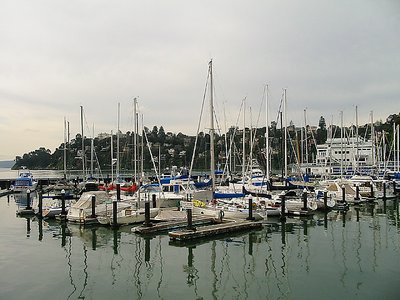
226	208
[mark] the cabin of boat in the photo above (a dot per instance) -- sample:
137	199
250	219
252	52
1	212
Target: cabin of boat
24	181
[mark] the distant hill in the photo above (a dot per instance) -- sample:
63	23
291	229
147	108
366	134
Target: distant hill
7	164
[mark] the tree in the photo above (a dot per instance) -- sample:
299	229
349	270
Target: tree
321	135
322	123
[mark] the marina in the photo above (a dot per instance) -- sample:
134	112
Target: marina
352	253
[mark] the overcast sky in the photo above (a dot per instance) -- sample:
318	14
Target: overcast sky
56	55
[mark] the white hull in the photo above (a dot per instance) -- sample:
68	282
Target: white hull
228	213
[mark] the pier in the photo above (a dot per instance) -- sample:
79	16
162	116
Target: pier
169	225
213	230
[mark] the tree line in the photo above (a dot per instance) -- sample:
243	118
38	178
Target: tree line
162	149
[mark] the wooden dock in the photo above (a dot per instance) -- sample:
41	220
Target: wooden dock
213	230
169	225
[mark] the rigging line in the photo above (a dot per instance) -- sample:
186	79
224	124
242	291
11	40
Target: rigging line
297	160
255	131
154	166
199	124
234	133
280	107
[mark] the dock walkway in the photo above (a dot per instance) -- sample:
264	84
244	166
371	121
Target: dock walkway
169	225
213	230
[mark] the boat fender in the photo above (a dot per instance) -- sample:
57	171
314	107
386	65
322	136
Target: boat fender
221	214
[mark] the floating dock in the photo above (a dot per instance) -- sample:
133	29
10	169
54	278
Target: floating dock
213	230
169	225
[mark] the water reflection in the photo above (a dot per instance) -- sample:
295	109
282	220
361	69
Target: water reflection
341	250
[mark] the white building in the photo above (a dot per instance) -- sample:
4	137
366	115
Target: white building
354	155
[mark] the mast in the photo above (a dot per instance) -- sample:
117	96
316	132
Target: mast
135	131
267	134
91	153
341	144
384	148
142	149
285	142
251	146
244	142
117	168
398	148
212	158
65	149
305	135
357	142
394	147
226	146
373	139
112	158
302	144
83	146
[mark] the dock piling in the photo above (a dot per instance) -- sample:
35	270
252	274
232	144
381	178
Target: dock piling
118	191
325	199
93	206
40	212
372	189
357	197
63	203
250	217
147	214
343	194
114	213
28	199
153	199
189	219
304	199
384	190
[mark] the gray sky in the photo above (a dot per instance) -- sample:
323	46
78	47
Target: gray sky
58	55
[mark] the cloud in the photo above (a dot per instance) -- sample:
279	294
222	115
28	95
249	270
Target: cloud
57	56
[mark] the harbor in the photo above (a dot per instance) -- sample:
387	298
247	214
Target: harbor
351	253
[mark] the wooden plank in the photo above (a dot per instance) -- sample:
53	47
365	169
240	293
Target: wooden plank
168	225
213	230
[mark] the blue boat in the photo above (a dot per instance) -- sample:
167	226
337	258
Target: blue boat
24	181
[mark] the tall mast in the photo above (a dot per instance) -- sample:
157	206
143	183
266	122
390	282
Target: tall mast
341	144
357	142
112	157
135	131
65	148
305	135
212	158
285	116
251	144
302	143
83	146
373	138
92	153
267	133
117	168
142	149
394	147
244	142
398	148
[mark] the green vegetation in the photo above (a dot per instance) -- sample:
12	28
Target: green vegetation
176	149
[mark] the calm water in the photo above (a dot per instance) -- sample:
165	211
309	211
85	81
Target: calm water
351	256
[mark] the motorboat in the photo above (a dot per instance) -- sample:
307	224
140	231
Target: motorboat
24	181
